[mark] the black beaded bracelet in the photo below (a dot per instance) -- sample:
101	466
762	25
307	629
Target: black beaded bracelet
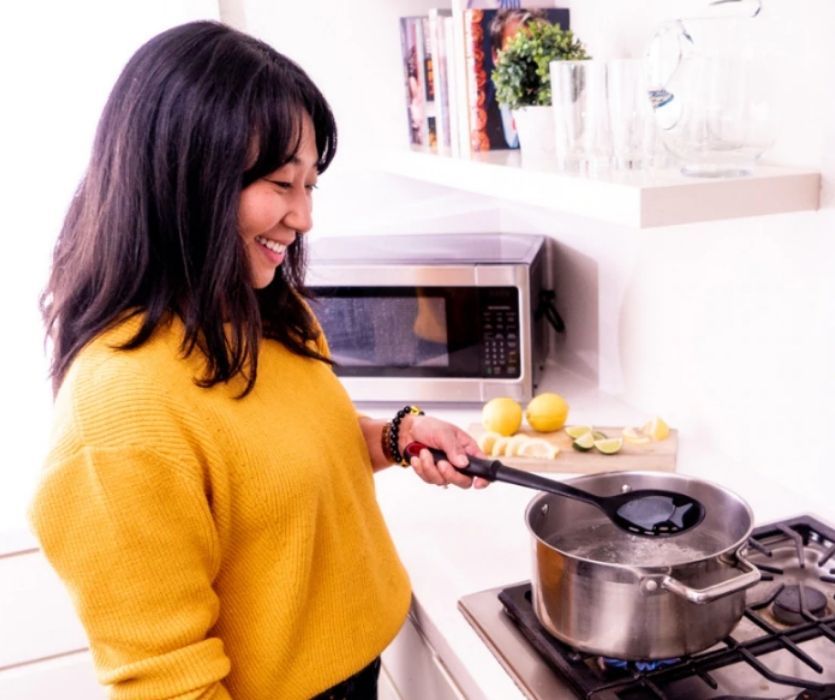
394	433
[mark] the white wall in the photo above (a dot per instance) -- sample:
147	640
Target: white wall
727	328
58	61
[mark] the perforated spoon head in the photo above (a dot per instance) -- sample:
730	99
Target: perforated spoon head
654	513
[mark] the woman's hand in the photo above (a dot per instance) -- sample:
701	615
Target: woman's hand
441	435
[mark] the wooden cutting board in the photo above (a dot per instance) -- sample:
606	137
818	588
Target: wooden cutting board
652	456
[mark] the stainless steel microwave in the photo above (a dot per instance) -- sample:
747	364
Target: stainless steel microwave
424	318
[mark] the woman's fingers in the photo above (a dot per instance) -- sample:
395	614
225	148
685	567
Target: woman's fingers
453	476
440	472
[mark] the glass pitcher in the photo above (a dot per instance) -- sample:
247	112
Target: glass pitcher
711	92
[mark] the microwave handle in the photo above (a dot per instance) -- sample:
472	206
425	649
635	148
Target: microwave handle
546	307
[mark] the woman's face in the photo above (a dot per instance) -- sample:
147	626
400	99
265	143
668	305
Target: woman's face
277	208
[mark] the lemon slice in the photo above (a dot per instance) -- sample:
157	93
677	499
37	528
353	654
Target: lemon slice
608	446
635	436
599	435
537	447
656	429
514	444
486	441
575	431
584	443
499	447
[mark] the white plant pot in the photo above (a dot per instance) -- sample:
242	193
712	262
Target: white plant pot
535	126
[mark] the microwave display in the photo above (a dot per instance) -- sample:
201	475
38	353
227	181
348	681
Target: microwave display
421	331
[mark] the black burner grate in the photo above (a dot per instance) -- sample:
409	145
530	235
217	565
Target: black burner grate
591	678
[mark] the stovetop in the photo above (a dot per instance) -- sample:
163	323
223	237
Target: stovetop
783	647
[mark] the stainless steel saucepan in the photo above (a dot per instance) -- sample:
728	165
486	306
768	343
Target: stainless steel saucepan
606	591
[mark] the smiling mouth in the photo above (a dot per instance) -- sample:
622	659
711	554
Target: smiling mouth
274	246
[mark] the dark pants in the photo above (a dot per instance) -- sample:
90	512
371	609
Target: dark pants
360	686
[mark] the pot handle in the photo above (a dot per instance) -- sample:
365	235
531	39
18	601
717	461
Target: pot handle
750	576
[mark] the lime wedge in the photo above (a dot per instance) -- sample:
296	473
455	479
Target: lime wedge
575	431
584	443
608	446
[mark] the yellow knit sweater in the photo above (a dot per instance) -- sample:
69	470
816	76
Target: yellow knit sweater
216	547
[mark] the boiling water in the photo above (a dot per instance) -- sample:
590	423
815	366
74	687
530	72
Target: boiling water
607	543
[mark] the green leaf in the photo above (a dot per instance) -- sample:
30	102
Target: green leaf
522	74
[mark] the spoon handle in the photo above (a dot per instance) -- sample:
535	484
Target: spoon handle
484	468
494	470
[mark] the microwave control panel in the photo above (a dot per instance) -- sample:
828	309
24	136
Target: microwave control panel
500	333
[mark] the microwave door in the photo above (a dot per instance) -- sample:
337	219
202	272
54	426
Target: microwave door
399	332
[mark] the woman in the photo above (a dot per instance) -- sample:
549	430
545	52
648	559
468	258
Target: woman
208	497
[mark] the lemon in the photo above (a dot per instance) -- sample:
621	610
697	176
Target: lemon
598	435
575	431
656	429
487	440
609	446
547	412
584	443
501	415
537	447
635	436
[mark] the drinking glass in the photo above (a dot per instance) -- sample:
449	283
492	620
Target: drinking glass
632	125
581	115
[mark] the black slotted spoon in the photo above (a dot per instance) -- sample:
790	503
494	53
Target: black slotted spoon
646	512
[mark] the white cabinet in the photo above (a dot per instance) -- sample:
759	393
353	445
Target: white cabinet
415	670
38	620
43	648
68	677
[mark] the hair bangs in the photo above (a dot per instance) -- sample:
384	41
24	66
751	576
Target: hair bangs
276	119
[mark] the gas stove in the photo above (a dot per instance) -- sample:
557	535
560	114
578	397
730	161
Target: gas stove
783	647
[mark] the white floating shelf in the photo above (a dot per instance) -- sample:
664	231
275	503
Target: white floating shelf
636	199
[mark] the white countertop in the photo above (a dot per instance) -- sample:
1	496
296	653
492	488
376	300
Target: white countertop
455	542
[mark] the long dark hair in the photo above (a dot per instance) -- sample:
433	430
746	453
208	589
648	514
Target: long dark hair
198	113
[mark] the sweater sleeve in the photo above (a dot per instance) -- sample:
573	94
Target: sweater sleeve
132	537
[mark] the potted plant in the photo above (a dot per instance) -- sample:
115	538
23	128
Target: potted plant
523	83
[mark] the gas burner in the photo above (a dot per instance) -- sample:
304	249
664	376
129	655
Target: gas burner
794	603
631	666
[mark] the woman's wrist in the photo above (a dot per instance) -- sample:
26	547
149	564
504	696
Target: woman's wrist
399	433
405	435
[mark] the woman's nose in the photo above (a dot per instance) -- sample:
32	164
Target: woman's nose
299	216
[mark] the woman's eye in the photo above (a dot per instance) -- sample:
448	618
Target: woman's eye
311	187
282	184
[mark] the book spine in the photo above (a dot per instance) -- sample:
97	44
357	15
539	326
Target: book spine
476	79
453	100
427	82
411	71
440	75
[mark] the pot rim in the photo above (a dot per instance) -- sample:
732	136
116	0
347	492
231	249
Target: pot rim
731	548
